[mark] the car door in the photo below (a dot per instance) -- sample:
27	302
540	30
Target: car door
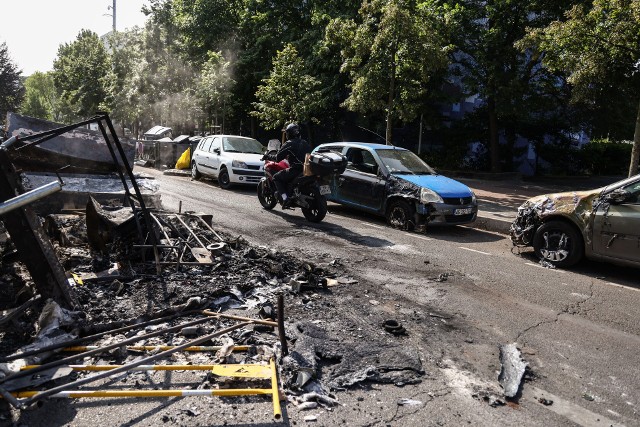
215	155
617	227
361	184
201	156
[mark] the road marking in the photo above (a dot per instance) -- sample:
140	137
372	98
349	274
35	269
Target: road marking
474	250
371	225
618	285
418	237
541	266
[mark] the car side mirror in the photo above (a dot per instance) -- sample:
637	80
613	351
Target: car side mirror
216	150
618	196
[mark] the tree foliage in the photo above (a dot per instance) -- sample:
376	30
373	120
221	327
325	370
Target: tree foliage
79	73
214	86
335	63
41	98
11	88
519	97
289	94
596	45
390	52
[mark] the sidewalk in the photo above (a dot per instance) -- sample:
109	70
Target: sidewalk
498	201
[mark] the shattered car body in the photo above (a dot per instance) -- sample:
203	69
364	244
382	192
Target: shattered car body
601	224
395	183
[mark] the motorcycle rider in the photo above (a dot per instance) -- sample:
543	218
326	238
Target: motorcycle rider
294	150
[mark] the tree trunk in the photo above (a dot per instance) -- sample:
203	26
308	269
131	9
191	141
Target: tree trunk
392	89
493	135
635	152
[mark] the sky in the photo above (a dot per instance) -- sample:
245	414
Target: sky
34	29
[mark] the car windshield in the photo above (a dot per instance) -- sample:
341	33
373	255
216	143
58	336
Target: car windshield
404	162
242	145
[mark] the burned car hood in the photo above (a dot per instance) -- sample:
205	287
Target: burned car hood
570	202
575	205
445	187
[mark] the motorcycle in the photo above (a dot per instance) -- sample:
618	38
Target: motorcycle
306	191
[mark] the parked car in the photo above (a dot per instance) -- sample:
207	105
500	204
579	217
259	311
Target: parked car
396	183
601	224
229	159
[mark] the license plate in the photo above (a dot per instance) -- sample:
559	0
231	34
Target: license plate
325	189
465	211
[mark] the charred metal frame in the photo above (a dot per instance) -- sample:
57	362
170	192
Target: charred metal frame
22	400
24	227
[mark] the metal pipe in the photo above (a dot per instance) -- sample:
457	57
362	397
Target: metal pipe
161	347
9	142
184	224
94	336
29	197
210	229
125	368
141	368
275	391
66	360
244	319
152	393
281	333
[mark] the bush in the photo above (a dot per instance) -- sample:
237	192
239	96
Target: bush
605	157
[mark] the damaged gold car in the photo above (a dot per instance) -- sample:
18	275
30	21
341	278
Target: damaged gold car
602	224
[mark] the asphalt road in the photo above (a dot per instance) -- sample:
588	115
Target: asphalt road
579	330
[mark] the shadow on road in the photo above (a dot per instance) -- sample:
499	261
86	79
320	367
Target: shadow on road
625	276
452	233
296	218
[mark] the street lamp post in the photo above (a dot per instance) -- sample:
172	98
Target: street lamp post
113	14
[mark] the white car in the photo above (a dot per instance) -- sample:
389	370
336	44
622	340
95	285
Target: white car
230	159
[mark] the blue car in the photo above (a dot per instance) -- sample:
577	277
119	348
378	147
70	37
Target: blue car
396	183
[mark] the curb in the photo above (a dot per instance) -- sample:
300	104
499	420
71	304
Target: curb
177	172
489	223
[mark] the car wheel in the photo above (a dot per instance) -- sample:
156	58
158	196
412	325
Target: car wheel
195	174
558	243
223	178
266	197
400	215
318	209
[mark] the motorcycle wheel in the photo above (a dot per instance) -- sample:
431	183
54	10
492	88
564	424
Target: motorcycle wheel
266	196
318	209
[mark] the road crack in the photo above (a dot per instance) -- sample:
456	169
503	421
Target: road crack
573	309
430	396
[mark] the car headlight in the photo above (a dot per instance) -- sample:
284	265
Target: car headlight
239	164
473	198
429	196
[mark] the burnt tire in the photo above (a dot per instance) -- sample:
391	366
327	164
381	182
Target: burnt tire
558	243
195	174
266	197
223	178
400	215
318	208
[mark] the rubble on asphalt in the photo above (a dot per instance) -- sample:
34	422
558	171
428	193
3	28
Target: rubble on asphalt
116	283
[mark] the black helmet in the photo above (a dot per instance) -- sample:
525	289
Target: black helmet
292	130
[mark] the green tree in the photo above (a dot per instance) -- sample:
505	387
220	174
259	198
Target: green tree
390	52
597	47
167	83
41	98
289	93
214	87
520	98
11	88
123	80
80	73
